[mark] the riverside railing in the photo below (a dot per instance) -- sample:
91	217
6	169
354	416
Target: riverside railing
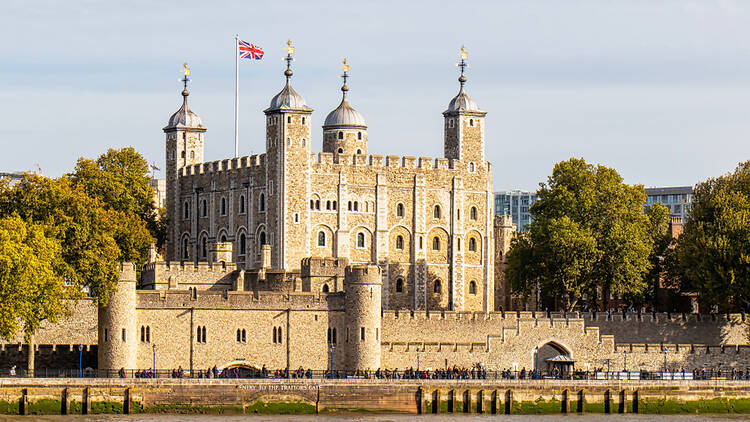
731	374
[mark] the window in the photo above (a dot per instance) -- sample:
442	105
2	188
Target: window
359	136
341	136
472	287
289	119
262	203
334	335
399	242
296	217
239	335
312	204
325	288
244	335
186	210
185	254
356	206
303	120
334	205
471	122
341	150
242	204
360	240
270	187
436	211
243	244
204	333
192	155
317	204
436	288
359	151
400	210
458	244
435	243
362	333
204	208
223	238
321	239
472	244
262	238
420	242
143	333
275	336
399	285
350	205
123	334
223	206
279	331
471	167
106	334
328	205
473	213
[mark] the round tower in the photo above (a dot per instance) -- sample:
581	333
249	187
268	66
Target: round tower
362	290
345	130
117	324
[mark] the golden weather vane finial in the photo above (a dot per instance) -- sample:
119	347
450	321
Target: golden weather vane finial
289	47
345	67
185	69
463	55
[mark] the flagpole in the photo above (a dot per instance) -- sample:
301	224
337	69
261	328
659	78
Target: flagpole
236	96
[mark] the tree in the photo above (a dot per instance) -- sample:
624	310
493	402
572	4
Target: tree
713	252
120	180
31	286
85	231
589	235
662	244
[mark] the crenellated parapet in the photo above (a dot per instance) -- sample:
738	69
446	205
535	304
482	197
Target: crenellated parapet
184	275
380	162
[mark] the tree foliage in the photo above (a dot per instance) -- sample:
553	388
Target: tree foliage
713	252
31	288
589	235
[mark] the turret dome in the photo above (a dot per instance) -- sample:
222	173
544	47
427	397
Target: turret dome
184	117
462	102
345	116
288	99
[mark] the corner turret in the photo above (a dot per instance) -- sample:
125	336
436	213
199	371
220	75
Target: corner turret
464	123
117	324
362	289
345	130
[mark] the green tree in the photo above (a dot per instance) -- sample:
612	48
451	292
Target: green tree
713	252
661	245
85	230
31	285
120	180
589	235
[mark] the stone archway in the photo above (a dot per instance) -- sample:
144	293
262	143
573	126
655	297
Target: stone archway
552	358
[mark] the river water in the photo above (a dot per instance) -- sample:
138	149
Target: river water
377	418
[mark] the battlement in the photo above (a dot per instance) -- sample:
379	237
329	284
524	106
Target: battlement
323	267
229	164
362	274
232	300
180	274
389	161
127	271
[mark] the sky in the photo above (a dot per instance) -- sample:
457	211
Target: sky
658	90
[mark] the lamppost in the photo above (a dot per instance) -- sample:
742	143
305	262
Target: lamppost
536	362
153	349
625	361
80	361
331	347
665	361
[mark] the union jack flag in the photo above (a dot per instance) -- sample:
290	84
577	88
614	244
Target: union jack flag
249	51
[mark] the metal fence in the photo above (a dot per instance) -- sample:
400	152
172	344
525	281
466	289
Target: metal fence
447	374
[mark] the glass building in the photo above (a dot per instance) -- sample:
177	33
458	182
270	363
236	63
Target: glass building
676	199
515	203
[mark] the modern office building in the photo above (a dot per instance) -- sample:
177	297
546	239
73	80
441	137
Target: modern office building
676	199
515	203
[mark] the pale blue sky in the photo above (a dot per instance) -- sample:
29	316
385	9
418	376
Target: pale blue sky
659	90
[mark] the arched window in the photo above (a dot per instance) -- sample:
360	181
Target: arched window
359	151
244	335
186	210
471	122
317	204
223	238
204	248
471	167
473	213
242	204
274	335
321	238
435	243
399	242
262	238
148	334
356	206
262	203
436	288
204	208
198	335
350	205
239	335
325	288
399	285
458	244
143	333
185	254
204	334
360	240
341	135
334	335
341	150
400	210
328	205
472	287
243	244
436	211
223	206
359	135
472	244
334	205
279	334
312	204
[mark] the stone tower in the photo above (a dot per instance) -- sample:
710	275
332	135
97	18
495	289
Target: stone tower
184	134
117	324
287	175
362	289
464	125
345	130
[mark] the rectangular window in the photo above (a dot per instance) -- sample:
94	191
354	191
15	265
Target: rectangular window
362	333
123	334
106	334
